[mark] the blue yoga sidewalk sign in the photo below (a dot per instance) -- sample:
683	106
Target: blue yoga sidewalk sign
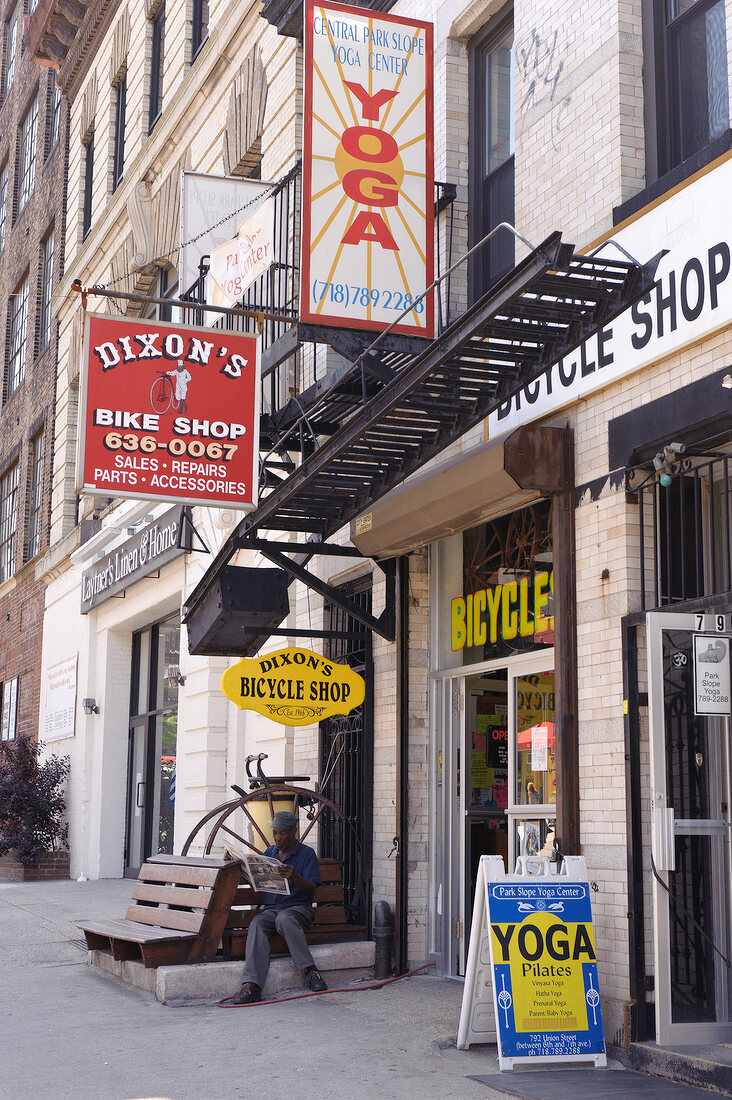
532	947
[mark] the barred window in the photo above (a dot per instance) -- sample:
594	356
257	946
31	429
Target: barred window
36	497
18	335
27	161
9	725
8	522
3	204
11	39
47	288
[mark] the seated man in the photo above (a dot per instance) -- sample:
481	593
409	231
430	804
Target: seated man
289	914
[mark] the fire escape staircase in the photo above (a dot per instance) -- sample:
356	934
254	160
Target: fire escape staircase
358	432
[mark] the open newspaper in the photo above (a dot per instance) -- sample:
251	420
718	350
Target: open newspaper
260	870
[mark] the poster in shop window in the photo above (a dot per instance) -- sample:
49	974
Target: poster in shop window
169	412
368	179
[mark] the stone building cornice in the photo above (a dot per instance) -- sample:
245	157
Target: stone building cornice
65	34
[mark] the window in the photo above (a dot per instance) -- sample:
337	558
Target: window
54	116
49	248
11	38
166	286
3	204
697	78
687	100
120	111
199	29
86	213
27	160
18	334
10	710
36	497
155	102
491	151
8	522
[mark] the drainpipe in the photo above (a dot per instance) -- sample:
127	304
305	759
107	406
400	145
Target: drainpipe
401	956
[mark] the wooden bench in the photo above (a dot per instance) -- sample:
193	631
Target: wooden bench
178	914
329	926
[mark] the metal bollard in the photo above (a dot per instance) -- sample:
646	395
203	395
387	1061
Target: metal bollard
384	936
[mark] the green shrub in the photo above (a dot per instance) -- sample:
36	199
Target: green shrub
32	800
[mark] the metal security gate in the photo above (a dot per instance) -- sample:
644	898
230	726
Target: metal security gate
346	760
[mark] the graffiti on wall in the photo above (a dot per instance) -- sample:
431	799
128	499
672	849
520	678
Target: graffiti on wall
541	68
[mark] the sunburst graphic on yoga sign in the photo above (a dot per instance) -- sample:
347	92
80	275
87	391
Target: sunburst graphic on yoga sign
368	177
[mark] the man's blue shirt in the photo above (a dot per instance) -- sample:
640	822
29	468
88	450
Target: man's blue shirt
304	860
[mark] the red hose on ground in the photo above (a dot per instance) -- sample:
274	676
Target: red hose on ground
226	1003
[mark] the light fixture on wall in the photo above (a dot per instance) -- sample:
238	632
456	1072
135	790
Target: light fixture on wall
666	463
90	706
173	676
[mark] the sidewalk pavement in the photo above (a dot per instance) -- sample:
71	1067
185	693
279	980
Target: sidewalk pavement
68	1032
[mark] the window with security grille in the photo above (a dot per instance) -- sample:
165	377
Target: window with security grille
18	337
27	159
49	248
3	205
8	522
36	497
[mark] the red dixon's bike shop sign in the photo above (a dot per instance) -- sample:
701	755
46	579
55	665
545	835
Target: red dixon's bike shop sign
169	412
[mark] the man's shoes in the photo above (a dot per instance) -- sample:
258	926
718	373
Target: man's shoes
249	994
314	980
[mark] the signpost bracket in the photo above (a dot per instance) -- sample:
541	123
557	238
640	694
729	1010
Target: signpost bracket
186	526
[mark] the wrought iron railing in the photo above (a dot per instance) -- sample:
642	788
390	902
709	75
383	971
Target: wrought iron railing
684	529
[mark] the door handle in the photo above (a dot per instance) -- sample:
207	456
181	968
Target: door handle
664	847
140	795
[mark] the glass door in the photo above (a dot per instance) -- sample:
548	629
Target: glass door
493	790
153	735
689	662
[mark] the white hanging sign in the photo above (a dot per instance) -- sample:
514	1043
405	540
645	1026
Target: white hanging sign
234	266
711	675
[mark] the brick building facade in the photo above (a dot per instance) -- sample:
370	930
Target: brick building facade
561	119
33	150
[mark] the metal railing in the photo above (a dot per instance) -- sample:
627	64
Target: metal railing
684	530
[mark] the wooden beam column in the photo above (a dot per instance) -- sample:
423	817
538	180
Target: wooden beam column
543	459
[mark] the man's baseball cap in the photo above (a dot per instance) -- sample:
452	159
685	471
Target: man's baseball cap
283	819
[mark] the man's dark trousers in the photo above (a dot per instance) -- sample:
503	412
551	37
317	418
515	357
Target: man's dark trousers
291	922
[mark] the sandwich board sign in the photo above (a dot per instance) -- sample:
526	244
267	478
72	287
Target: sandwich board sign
532	954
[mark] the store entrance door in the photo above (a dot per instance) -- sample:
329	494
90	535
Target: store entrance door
496	787
690	800
153	734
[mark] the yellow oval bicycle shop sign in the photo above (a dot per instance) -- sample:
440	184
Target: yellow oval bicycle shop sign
295	686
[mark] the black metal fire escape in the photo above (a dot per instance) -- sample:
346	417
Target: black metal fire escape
358	432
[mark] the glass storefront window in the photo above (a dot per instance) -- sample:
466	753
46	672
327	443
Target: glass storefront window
535	745
496	581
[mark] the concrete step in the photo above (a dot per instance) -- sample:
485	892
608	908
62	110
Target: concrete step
208	983
704	1067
